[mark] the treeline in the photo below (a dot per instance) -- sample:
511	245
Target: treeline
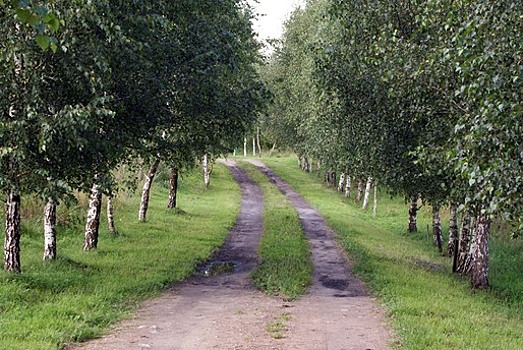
88	86
424	97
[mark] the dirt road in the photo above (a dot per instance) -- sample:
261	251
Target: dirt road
226	312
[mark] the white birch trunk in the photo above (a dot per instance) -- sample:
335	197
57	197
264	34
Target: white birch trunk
254	147
12	231
375	205
50	230
341	183
206	172
258	140
149	177
436	228
413	214
93	218
347	186
453	230
234	152
272	149
110	216
245	147
360	191
367	193
464	244
480	254
306	164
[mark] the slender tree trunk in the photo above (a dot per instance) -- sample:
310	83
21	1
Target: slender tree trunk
149	177
12	231
245	147
480	254
436	227
206	171
360	192
50	230
254	147
306	164
318	167
13	201
93	218
464	244
110	216
333	181
341	183
258	140
326	177
375	206
272	149
347	186
453	230
173	188
310	166
234	152
413	214
367	193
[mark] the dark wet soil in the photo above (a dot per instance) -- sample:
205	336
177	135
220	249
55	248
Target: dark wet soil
239	254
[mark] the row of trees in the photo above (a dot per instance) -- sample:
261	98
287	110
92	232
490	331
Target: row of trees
423	96
88	86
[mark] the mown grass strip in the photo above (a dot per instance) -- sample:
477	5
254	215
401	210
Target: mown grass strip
78	296
429	308
286	266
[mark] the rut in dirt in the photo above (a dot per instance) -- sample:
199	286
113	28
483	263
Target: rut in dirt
241	246
332	276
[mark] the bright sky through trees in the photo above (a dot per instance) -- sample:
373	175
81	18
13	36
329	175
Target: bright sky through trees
271	15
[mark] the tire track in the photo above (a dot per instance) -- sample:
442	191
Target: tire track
331	274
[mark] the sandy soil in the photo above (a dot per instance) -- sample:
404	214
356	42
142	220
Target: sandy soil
227	312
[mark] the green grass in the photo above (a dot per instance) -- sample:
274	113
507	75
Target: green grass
428	307
286	268
278	327
78	296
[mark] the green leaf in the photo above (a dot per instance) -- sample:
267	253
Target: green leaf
54	24
23	14
43	41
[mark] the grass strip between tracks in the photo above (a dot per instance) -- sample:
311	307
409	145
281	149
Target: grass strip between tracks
286	268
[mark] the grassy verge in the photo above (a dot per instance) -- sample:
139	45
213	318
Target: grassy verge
429	308
286	267
81	294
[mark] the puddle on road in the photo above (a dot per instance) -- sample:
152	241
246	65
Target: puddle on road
218	268
337	284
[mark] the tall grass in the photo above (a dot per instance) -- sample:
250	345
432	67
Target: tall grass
286	267
428	307
78	296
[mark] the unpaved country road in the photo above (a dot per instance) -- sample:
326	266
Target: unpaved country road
227	312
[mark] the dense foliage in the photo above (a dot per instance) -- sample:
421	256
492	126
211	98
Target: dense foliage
89	85
424	96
